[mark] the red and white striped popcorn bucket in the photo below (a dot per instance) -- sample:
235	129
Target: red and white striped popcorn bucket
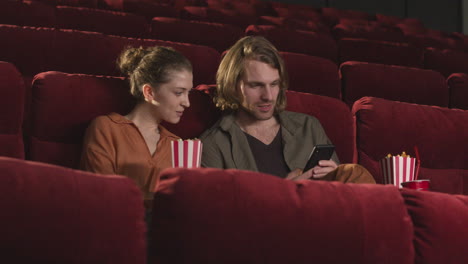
398	169
186	153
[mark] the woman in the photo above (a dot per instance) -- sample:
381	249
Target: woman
136	145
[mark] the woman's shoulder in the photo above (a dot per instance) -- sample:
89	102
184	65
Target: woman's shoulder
108	122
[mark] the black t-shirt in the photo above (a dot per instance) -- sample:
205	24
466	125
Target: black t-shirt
269	158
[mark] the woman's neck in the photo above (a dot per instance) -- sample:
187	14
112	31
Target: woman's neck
143	117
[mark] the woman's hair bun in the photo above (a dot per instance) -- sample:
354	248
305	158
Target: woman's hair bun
130	59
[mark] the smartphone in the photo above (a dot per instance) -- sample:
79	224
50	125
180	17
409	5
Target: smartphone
320	152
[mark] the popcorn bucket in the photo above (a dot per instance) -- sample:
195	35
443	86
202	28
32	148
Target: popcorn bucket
186	153
399	169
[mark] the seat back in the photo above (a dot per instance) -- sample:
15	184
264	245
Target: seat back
446	61
385	127
35	50
248	227
458	85
440	233
64	105
218	36
58	215
310	74
391	82
12	95
335	117
103	21
383	52
27	13
305	42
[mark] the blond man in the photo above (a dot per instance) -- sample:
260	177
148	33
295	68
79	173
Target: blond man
256	133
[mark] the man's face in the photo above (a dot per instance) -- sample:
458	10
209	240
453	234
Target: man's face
259	88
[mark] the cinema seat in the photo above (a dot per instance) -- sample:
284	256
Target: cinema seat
458	85
297	41
103	21
35	50
368	30
310	74
12	95
446	61
385	126
62	107
391	82
59	215
392	53
27	13
215	35
257	213
64	104
335	118
222	16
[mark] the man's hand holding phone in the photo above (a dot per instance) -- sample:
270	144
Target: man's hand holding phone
318	165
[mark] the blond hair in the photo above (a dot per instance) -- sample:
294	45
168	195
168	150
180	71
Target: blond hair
231	70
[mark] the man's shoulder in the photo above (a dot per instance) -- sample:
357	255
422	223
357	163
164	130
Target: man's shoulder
297	118
212	131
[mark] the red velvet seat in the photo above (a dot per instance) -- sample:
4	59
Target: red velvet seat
458	84
232	216
312	74
27	13
335	14
446	61
60	116
12	95
103	21
35	50
368	30
391	82
440	233
218	36
335	117
392	53
385	126
57	215
223	16
305	42
149	9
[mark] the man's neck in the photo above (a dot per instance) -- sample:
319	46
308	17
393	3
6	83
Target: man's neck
263	130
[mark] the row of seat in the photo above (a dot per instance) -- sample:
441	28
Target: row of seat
38	50
374	127
58	215
39	44
407	50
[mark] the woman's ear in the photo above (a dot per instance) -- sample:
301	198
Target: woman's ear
148	94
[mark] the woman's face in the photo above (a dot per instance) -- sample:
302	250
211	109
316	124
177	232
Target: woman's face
171	99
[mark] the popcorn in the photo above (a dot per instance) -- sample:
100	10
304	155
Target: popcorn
399	169
186	153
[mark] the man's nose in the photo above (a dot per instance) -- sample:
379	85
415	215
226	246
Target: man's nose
267	93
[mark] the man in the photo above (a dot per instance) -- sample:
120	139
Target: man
256	133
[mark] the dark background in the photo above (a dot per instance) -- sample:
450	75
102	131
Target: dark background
445	15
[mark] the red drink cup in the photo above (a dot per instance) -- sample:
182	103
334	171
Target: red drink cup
419	185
